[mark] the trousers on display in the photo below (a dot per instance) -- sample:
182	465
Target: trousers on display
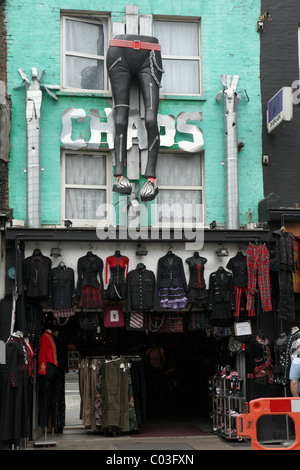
239	292
124	64
258	265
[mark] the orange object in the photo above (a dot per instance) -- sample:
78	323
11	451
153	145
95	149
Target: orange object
247	422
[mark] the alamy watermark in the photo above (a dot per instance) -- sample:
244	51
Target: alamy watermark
296	91
160	222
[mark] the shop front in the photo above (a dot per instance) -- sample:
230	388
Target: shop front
173	328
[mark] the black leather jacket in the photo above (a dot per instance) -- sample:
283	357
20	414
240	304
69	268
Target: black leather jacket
141	290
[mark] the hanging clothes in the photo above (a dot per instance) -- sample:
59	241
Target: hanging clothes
238	266
36	275
258	265
14	412
59	399
112	394
284	245
62	289
260	366
141	290
280	350
196	287
221	302
118	266
90	281
47	370
171	282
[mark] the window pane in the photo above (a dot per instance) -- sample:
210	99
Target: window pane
83	203
179	169
177	38
85	169
181	76
85	37
180	206
84	73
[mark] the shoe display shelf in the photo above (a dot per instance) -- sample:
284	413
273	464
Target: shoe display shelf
227	402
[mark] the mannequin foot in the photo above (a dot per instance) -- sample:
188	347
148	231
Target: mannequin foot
122	185
149	190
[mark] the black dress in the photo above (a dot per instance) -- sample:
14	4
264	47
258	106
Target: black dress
118	265
14	413
171	282
90	281
62	288
197	286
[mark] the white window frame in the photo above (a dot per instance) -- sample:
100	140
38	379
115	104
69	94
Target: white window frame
167	224
107	187
174	57
65	52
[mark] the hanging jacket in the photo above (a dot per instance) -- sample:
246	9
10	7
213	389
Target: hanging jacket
36	275
62	287
221	288
170	272
141	290
90	271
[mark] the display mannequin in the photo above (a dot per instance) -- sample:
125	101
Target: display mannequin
197	286
118	265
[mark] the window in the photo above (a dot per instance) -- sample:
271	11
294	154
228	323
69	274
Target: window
86	187
84	46
180	181
180	43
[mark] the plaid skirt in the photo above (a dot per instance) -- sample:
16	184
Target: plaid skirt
90	297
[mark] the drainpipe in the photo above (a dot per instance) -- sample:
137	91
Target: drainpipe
33	169
231	102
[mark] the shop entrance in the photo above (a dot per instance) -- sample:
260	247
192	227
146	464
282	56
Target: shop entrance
178	390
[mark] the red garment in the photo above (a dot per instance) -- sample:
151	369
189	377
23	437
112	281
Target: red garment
30	358
239	291
47	352
114	261
258	265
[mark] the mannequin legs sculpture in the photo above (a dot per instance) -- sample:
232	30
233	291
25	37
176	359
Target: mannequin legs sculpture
124	63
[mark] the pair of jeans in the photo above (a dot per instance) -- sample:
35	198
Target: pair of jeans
258	265
124	65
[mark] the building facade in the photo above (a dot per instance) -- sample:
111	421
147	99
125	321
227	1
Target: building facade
210	171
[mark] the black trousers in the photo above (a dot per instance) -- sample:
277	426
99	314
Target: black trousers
124	65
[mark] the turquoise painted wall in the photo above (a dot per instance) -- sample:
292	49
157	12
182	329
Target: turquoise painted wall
230	45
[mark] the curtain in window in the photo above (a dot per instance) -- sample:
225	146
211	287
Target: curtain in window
180	202
179	39
84	170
